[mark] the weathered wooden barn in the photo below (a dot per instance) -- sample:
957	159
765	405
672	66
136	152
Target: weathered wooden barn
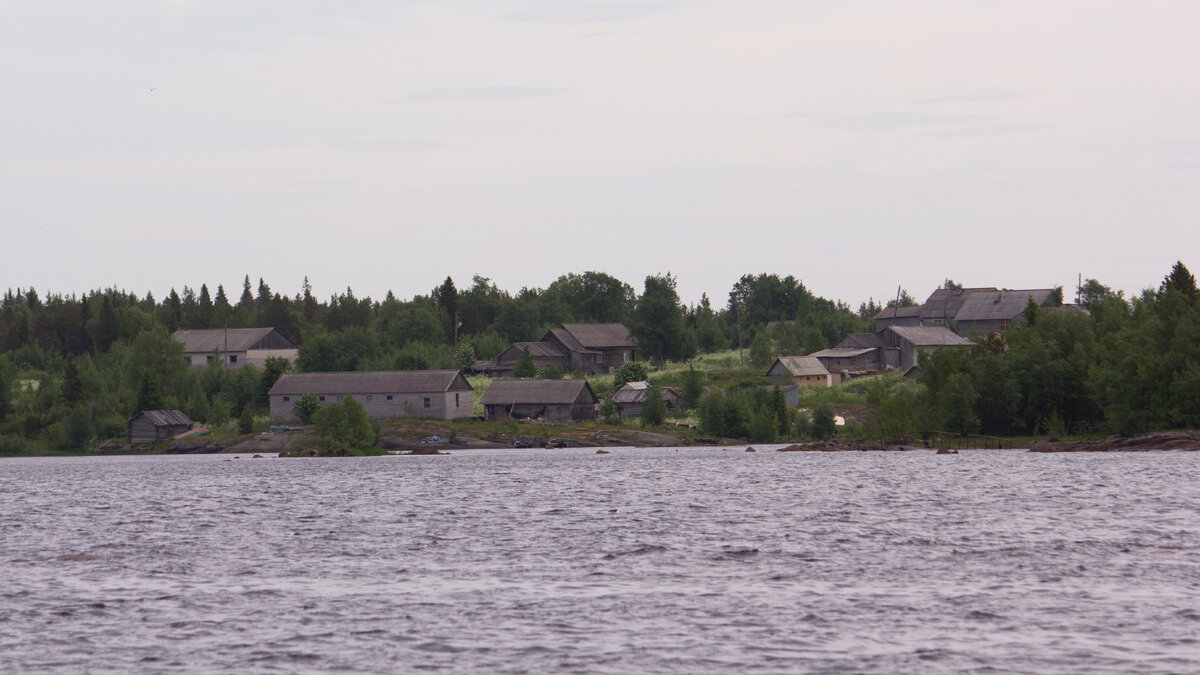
594	348
443	394
543	355
556	400
803	371
631	397
996	311
235	347
912	340
157	425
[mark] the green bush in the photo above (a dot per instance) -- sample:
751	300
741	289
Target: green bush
305	407
344	426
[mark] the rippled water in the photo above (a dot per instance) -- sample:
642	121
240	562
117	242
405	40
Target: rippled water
643	560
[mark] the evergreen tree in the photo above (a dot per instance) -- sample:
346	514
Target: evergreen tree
658	320
524	366
149	396
72	389
246	420
1179	279
693	387
654	409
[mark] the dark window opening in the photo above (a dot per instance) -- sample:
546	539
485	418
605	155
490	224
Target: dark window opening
286	399
320	398
389	397
427	402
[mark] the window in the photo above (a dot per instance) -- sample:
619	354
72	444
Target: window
370	397
286	399
320	398
455	400
389	397
428	403
233	358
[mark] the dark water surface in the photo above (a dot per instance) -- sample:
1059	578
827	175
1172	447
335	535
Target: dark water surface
644	560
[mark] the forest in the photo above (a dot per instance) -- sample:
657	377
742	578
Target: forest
74	369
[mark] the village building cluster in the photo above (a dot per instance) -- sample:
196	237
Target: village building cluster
946	319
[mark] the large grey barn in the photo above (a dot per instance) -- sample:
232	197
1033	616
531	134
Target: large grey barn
444	394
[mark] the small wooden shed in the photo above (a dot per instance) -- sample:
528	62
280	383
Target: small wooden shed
630	398
156	425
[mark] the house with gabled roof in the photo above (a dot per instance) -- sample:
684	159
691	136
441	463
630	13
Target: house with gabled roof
235	347
543	355
803	371
631	397
996	311
157	425
594	348
556	400
444	394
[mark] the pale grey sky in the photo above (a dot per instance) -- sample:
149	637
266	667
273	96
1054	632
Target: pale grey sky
385	145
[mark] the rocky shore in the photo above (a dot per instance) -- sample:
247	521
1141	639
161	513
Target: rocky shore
1173	440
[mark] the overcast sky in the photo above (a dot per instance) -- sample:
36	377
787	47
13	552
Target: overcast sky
385	145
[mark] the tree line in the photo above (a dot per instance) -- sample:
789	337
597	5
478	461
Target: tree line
76	367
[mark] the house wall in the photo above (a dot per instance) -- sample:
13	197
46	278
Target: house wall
557	412
441	405
869	361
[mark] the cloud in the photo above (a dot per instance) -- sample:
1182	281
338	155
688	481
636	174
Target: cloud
475	94
390	146
984	95
596	13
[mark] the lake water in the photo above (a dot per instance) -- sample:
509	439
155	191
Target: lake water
643	560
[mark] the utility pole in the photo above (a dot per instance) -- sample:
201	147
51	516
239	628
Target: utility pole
738	320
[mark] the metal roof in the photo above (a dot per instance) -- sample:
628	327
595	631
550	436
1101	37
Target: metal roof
206	340
371	382
635	392
542	349
1001	304
929	336
842	352
505	392
800	366
165	418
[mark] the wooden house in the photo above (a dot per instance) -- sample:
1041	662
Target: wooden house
995	311
157	425
630	398
803	371
594	348
235	347
444	394
557	400
912	340
543	355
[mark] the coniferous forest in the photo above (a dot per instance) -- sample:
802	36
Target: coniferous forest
75	368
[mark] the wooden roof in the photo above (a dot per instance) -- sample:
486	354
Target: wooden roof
600	335
165	418
505	392
1002	304
929	336
207	340
800	366
862	341
371	382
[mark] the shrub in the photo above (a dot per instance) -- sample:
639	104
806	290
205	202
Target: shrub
630	372
305	407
